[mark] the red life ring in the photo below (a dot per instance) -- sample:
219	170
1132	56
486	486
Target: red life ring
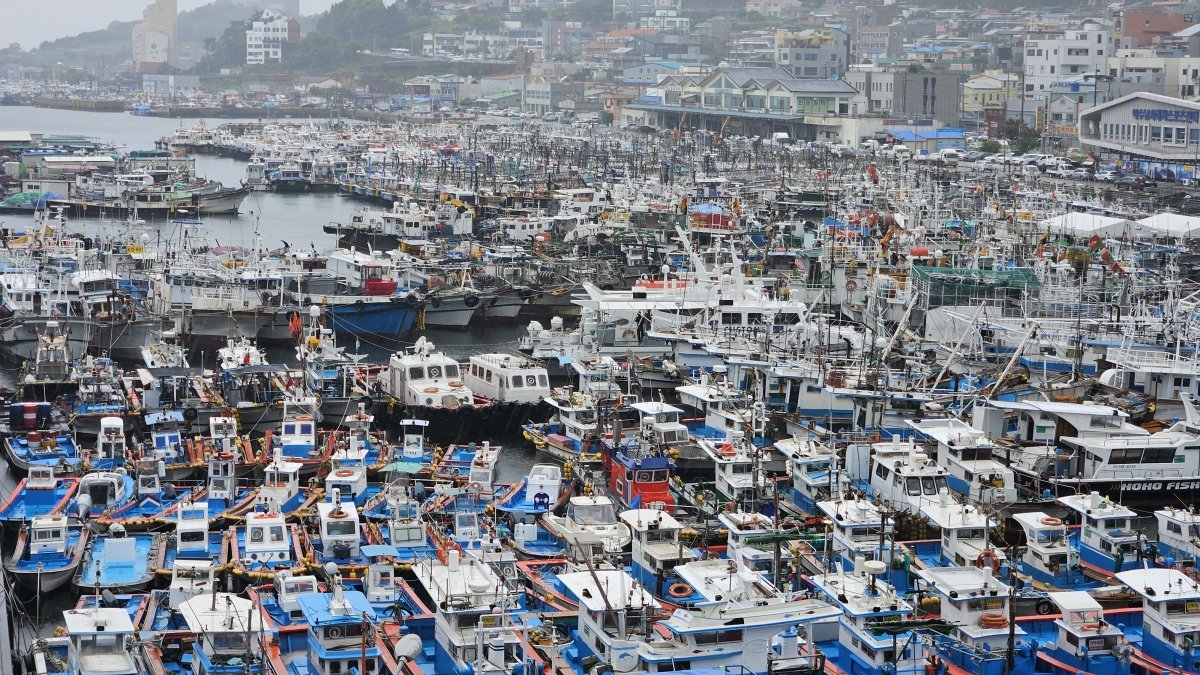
338	514
1050	520
343	473
477	486
679	590
987	555
851	285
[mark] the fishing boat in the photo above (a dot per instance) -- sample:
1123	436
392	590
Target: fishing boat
266	544
41	493
103	492
54	446
121	562
538	493
425	377
592	518
1178	535
47	553
111	451
102	394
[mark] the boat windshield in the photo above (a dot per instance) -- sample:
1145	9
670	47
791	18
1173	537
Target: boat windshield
594	514
337	528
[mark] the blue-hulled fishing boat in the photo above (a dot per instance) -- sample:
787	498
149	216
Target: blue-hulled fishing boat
111	451
153	502
102	492
41	493
538	493
266	544
121	562
47	553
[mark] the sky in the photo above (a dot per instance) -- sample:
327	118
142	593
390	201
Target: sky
32	23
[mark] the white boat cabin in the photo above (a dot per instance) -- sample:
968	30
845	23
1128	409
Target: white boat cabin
348	481
660	423
222	478
190	578
869	603
191	530
974	600
1170	621
110	442
266	538
103	489
288	587
970	460
964	533
412	443
424	377
223	431
231	625
1179	534
747	531
98	640
1083	632
298	434
281	480
379	584
339	527
859	530
1108	529
904	475
1049	554
656	549
48	534
613	606
543	485
507	378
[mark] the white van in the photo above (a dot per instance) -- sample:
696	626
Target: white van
951	157
901	153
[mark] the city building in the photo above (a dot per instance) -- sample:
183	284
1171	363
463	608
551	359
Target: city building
545	94
1161	72
268	37
1152	134
634	10
904	92
1055	55
155	37
1145	28
880	43
813	53
748	101
992	88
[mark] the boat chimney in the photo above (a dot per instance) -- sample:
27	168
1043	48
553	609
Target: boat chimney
944	497
1094	500
860	563
452	560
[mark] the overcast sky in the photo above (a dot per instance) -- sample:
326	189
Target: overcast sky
31	23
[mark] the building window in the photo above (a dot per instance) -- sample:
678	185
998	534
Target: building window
1194	136
1155	134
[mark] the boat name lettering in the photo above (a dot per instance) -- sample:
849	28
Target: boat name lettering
1158	485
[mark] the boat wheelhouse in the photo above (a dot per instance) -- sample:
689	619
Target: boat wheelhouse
506	378
424	377
1178	535
969	458
1170	616
1050	557
1108	541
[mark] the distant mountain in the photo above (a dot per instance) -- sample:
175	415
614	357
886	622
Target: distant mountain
113	45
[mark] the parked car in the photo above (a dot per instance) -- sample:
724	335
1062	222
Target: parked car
1107	176
1080	174
1134	182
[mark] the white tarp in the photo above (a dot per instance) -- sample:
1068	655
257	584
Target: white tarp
1087	224
1172	224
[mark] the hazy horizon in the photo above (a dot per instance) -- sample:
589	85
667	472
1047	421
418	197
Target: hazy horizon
32	23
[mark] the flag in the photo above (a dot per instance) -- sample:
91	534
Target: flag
636	502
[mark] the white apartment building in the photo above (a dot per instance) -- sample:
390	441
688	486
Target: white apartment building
1147	70
1054	56
267	35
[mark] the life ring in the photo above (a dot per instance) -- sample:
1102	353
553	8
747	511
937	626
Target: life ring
1091	626
822	175
471	300
727	449
430	390
679	590
476	486
304	418
338	514
1044	607
1050	520
366	402
190	414
993	620
987	555
851	285
343	473
455	383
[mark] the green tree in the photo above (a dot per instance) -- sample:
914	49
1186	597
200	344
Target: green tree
227	50
990	145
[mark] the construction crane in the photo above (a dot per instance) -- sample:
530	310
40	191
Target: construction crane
679	129
721	133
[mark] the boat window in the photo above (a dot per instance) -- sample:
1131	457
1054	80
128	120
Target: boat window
338	528
192	537
542	381
971	533
719	636
913	486
488	376
256	534
659	535
930	485
530	381
882	471
407	534
1174	527
47	535
516	382
435	372
306	429
416	373
276	533
289	430
1158	455
451	371
305	586
660	475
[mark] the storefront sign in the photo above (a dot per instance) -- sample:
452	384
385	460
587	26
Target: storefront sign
1166	115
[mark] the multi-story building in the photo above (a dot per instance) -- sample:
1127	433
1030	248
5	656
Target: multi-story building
813	53
1057	55
878	43
990	89
924	93
1160	72
748	101
267	36
155	38
1144	28
546	94
634	10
